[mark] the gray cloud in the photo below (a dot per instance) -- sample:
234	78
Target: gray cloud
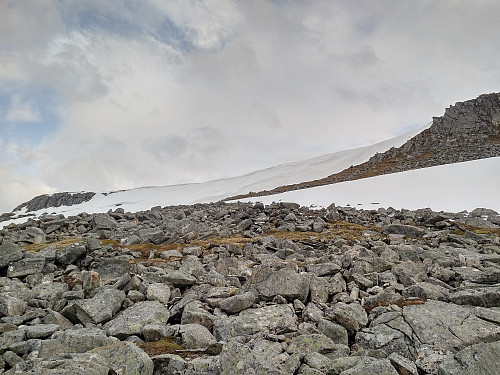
196	151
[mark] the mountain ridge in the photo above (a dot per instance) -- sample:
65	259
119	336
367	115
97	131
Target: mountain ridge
468	130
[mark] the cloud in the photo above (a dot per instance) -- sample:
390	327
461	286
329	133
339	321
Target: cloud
16	189
147	93
22	111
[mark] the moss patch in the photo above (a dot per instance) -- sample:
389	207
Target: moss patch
34	248
166	345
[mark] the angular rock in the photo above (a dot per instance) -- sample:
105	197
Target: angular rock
372	366
40	331
425	290
406	230
180	279
69	254
170	255
194	313
402	365
112	268
238	359
81	340
237	303
25	267
480	359
196	336
286	283
9	252
70	364
10	305
409	273
448	326
104	305
324	269
131	321
158	292
484	297
125	358
318	343
351	316
335	332
275	319
104	221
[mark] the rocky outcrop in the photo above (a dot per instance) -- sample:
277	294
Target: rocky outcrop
242	288
55	200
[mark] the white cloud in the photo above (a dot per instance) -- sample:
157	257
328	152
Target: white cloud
16	189
208	24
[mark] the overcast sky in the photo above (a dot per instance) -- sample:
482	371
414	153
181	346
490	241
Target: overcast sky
100	95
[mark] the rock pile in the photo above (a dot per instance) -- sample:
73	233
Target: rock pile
247	289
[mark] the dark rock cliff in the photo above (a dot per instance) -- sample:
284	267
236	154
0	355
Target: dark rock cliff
55	200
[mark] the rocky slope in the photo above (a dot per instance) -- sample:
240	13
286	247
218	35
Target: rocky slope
252	289
468	130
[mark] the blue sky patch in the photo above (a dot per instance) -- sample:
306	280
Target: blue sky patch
29	114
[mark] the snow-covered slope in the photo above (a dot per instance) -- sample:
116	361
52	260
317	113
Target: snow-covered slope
144	198
451	188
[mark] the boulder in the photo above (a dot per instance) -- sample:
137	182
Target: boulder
131	320
286	283
196	336
351	316
480	359
9	252
405	230
125	358
82	339
275	319
237	303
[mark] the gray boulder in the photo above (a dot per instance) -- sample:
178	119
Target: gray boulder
9	252
335	332
405	230
82	339
277	318
65	364
131	321
196	336
104	305
286	283
318	343
179	278
409	273
158	292
238	359
69	254
351	316
26	266
448	326
480	359
484	297
112	268
371	366
237	303
10	305
40	331
125	358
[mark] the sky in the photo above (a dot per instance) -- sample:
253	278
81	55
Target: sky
102	95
